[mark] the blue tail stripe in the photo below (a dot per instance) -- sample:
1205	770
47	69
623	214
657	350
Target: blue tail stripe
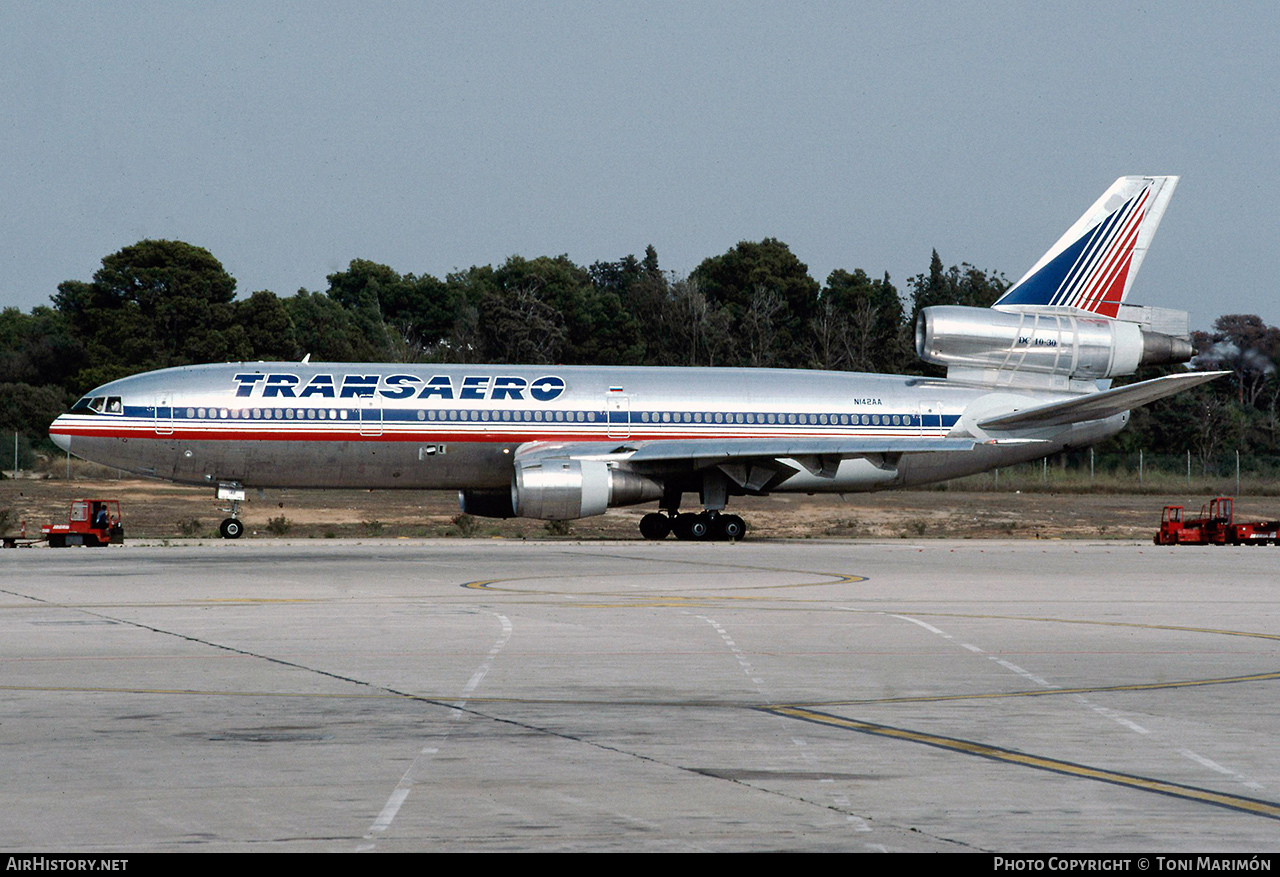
1097	244
1042	287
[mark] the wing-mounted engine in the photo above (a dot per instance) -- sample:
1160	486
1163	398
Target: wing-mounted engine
1041	347
562	489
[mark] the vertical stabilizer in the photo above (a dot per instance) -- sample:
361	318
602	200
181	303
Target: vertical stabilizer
1092	266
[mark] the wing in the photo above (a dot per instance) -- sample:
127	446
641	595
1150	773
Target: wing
755	464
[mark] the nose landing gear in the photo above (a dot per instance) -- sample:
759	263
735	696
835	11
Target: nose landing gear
232	527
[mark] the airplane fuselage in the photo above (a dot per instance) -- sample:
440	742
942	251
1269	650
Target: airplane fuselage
461	426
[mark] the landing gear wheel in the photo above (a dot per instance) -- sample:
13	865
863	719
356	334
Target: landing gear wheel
655	525
730	527
691	527
231	528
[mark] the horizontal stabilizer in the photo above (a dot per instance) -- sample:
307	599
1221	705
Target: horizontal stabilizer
1097	406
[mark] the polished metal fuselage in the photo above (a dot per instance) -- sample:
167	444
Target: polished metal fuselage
461	426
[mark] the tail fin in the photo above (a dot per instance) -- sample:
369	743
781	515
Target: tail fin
1092	266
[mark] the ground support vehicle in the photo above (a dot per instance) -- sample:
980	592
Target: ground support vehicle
92	522
1216	525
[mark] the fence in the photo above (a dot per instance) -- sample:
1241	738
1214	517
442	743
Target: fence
24	455
1141	471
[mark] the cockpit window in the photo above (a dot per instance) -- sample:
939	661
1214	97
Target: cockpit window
99	405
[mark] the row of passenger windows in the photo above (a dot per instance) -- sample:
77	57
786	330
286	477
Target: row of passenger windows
268	413
564	416
344	414
810	419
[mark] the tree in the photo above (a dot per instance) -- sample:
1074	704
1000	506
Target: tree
740	279
331	333
268	327
958	285
151	305
644	293
860	324
1245	345
581	324
518	326
38	348
28	409
420	312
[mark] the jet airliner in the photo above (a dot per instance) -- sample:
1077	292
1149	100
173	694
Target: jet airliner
1026	378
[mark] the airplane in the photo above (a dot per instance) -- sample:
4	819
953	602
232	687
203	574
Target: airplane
1026	378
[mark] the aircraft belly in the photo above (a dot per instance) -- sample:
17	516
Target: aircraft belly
853	475
151	457
335	464
374	464
930	468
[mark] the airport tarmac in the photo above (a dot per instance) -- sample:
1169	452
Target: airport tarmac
423	695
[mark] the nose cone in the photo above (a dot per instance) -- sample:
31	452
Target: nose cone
61	440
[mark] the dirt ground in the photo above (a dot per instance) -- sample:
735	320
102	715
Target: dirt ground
158	510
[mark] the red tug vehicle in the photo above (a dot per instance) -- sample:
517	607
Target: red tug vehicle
1215	526
92	522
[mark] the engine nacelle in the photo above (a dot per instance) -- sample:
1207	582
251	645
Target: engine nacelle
562	490
974	342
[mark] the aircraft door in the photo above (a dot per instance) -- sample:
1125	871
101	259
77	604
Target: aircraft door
164	413
370	419
617	409
931	418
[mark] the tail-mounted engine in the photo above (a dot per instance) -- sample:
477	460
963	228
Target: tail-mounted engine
560	489
1038	348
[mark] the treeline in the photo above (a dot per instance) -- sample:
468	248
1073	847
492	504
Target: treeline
167	303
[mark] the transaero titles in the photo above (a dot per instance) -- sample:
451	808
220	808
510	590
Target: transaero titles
285	385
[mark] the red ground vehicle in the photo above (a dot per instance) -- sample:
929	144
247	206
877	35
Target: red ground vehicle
93	522
1215	526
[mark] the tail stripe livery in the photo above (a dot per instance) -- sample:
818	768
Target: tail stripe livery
1091	268
1109	283
1102	285
1089	275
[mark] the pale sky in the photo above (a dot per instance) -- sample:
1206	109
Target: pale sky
290	138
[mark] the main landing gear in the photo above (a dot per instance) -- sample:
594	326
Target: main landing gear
710	524
690	527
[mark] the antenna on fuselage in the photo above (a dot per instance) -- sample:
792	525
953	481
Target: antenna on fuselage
306	359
